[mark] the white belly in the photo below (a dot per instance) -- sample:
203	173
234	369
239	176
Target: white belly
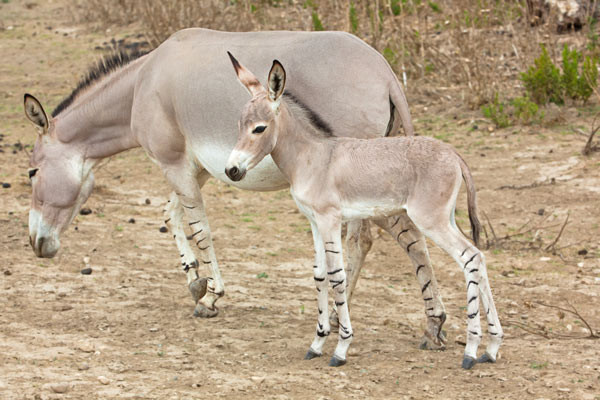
370	209
264	177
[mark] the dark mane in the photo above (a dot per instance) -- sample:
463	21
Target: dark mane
314	118
102	68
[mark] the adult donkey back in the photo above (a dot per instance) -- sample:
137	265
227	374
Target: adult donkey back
180	104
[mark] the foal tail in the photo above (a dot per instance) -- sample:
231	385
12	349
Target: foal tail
471	200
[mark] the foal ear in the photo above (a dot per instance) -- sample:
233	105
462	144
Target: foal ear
246	77
276	81
35	112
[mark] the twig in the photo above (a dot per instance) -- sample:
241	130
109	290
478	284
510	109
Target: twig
529	186
491	227
574	312
551	245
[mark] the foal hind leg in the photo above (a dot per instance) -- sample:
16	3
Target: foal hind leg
470	259
494	328
358	244
413	242
174	220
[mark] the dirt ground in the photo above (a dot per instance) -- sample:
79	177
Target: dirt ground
127	330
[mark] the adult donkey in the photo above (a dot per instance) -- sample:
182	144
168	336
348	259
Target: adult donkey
180	104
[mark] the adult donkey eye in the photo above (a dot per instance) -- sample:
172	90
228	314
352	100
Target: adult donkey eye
32	172
259	129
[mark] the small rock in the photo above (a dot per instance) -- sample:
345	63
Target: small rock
62	307
7	272
85	211
258	379
541	211
5	185
582	252
60	387
83	366
163	229
131	221
86	347
153	329
103	380
86	260
147	201
86	271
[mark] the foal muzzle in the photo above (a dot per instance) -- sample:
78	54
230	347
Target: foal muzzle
235	173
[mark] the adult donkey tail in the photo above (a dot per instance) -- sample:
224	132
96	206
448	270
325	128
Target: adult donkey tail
398	101
471	200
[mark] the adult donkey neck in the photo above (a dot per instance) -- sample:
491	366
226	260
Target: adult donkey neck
97	115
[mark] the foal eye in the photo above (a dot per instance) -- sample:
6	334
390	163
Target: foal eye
32	172
259	129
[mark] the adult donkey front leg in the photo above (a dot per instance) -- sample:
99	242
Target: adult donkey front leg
174	214
187	180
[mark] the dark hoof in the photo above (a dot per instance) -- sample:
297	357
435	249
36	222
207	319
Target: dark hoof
202	311
311	354
198	289
429	343
336	362
485	358
468	362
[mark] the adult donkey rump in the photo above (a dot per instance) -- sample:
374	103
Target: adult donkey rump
180	104
335	179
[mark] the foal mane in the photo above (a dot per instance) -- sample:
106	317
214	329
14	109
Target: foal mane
314	119
103	67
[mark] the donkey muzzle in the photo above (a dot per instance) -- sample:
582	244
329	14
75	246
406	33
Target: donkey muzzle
235	173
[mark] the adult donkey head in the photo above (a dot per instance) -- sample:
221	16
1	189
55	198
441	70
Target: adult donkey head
61	181
258	130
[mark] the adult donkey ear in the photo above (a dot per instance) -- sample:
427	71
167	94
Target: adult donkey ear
246	77
276	81
35	112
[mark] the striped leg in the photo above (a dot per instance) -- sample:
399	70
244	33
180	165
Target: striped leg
413	242
320	275
189	263
494	327
358	244
330	230
470	260
187	181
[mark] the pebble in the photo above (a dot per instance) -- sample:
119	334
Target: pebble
86	347
131	220
7	272
258	379
83	366
153	329
85	211
62	307
103	380
163	229
5	185
86	271
60	387
147	201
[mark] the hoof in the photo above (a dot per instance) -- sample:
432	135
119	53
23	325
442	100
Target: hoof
485	358
468	362
198	289
429	343
311	354
336	362
202	311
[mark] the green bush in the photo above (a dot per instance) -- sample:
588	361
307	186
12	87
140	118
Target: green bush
543	81
526	111
495	111
317	24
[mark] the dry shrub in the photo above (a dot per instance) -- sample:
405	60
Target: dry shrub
457	50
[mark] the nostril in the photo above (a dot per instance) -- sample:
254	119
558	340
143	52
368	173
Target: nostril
233	171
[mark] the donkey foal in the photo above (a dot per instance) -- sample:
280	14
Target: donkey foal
336	179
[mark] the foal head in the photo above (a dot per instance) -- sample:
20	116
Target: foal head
258	128
60	179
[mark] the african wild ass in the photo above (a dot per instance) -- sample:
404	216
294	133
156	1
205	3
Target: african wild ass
335	180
